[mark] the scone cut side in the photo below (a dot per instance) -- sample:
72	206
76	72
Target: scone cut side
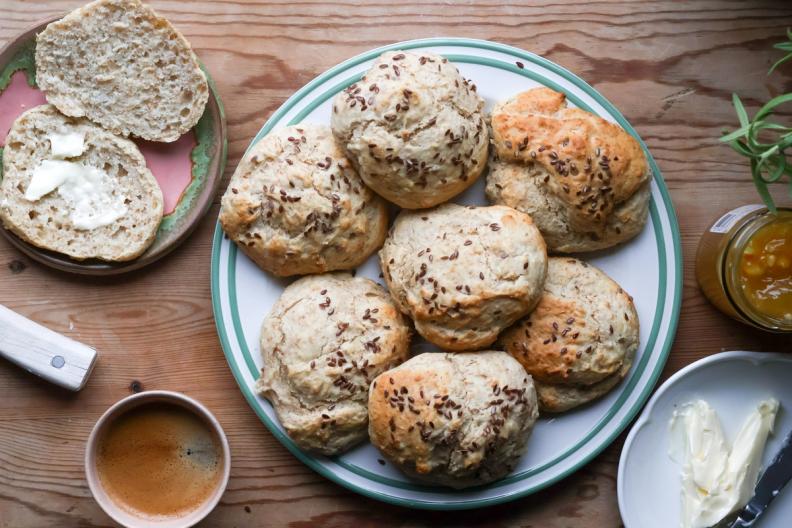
414	128
295	205
121	65
107	204
323	342
455	420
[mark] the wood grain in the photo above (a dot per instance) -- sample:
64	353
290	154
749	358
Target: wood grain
669	66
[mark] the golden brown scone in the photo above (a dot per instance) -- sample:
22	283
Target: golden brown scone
323	342
580	340
587	164
456	420
464	274
295	205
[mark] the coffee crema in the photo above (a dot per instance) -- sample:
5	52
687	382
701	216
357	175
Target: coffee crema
159	460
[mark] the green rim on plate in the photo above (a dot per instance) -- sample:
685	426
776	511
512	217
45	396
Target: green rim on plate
629	385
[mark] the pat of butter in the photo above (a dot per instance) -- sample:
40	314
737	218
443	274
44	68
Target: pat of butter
717	479
84	188
68	145
47	177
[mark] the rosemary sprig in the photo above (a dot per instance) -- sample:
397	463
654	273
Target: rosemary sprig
767	156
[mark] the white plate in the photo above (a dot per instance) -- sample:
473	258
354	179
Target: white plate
649	267
733	383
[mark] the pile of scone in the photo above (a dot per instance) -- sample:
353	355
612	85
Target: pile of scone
522	333
72	181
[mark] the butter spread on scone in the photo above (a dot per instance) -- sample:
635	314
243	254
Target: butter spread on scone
295	205
71	186
579	170
456	420
580	340
414	128
464	273
324	341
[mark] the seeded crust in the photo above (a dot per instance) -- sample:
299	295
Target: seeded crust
463	274
580	340
456	420
323	342
588	165
414	129
295	205
121	65
46	222
522	187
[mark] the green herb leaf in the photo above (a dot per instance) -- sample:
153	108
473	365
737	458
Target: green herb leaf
767	155
772	104
761	187
740	132
742	115
741	149
785	46
779	62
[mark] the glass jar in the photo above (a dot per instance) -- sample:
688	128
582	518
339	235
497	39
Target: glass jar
743	266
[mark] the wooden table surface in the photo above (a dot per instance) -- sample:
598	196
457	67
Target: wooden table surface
669	66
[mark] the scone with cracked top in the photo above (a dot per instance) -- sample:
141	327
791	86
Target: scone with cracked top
464	273
580	340
414	128
323	342
584	180
295	205
456	420
522	186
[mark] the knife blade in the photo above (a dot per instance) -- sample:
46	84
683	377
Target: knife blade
770	484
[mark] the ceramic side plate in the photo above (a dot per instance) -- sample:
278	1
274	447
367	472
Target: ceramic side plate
189	170
649	267
733	383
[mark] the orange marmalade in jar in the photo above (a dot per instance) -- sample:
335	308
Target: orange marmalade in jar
744	266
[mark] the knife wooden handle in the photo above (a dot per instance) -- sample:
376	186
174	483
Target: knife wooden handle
45	353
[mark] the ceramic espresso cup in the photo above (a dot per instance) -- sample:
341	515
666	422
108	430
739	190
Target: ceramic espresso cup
112	502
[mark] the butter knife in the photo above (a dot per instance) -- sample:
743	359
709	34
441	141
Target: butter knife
770	484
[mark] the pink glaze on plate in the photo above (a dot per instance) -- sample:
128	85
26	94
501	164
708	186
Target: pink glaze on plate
171	163
17	97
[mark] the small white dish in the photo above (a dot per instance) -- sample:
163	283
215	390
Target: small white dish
733	383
